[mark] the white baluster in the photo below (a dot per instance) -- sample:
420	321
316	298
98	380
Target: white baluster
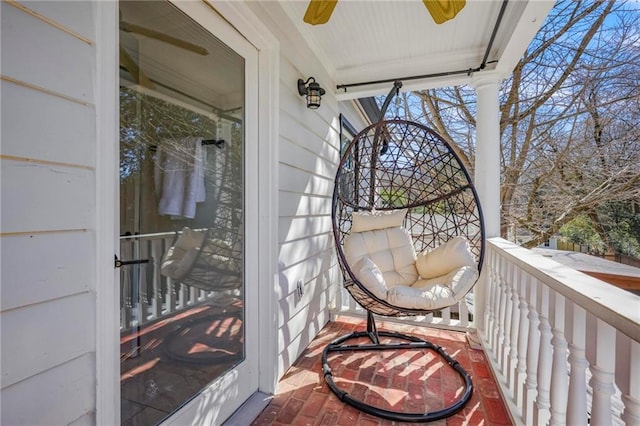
126	252
523	335
576	334
446	316
463	313
515	329
599	354
156	256
492	277
495	303
428	319
171	296
559	371
182	296
508	311
502	311
533	344
628	378
541	412
193	295
144	271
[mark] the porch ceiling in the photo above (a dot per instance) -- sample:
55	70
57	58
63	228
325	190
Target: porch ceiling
368	41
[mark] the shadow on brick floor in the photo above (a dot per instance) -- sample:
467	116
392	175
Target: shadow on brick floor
400	380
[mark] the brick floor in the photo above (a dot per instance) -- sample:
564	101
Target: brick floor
401	380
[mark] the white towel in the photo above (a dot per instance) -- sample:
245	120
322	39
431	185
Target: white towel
179	176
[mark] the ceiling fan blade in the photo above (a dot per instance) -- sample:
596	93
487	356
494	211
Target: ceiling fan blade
319	11
444	10
134	70
133	28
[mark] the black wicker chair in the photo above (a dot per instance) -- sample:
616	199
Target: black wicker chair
389	166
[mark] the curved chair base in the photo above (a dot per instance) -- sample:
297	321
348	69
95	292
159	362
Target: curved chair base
412	343
227	349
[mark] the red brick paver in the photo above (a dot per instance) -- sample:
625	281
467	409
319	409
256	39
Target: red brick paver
408	381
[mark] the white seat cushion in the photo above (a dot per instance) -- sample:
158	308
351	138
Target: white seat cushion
385	263
435	293
435	296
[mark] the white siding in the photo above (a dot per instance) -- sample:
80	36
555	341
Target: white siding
47	313
69	124
58	396
309	151
44	197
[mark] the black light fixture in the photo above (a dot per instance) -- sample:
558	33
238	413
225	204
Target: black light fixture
313	91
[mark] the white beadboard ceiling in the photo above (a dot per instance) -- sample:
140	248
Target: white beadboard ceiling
368	40
364	41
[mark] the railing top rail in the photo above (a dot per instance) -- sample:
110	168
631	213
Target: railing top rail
155	236
619	308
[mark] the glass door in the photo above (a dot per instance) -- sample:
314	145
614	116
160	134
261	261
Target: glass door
183	311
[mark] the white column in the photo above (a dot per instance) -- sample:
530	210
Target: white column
487	165
487	171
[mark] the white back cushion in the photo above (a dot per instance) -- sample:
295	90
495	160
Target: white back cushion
445	258
371	277
390	249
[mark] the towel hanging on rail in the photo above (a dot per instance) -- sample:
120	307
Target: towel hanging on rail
179	176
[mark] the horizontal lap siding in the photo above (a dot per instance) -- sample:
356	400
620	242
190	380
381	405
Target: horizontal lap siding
70	126
58	396
43	55
44	270
43	197
309	152
47	310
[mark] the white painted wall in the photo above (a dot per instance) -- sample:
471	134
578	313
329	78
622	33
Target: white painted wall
48	242
309	144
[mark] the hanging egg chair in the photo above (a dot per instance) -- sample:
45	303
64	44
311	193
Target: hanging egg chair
409	236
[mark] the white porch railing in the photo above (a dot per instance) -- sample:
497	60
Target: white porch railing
564	347
457	317
145	294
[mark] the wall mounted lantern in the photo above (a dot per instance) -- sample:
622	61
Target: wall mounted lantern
313	91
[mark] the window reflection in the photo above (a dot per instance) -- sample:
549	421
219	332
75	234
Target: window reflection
181	207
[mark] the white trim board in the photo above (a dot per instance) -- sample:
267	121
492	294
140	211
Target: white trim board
107	204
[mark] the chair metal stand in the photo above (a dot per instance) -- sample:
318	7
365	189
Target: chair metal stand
410	343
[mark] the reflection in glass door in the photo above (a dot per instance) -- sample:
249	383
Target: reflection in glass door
182	210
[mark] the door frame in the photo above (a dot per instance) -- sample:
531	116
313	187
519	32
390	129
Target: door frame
262	173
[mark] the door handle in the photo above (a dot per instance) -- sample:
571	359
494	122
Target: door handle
118	263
